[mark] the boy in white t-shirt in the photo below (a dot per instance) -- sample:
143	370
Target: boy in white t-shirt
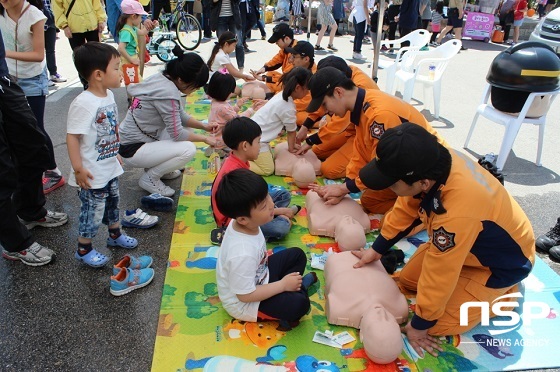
93	145
252	285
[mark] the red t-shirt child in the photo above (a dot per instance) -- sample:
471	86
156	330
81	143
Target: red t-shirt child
230	164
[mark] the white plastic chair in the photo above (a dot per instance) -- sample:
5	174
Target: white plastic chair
417	39
512	122
413	70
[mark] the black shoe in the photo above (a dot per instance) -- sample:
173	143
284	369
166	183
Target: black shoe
217	235
550	239
554	253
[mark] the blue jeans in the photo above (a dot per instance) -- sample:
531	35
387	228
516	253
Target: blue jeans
98	206
359	29
279	226
228	24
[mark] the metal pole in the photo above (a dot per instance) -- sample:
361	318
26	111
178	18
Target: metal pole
377	47
309	22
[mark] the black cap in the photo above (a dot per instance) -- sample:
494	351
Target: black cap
320	83
405	150
303	48
336	62
280	31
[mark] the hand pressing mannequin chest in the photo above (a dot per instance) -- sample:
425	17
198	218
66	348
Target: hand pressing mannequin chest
368	299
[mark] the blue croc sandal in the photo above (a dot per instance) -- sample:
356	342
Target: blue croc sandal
93	258
123	241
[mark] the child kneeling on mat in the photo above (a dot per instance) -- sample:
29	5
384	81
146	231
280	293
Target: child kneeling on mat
93	146
252	285
243	136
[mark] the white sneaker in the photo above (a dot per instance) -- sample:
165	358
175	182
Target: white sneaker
57	78
171	175
51	83
357	56
154	186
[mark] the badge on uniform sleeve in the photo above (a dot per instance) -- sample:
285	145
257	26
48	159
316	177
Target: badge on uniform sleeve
376	130
443	240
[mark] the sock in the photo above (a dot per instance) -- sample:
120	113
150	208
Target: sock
308	280
56	170
115	233
84	248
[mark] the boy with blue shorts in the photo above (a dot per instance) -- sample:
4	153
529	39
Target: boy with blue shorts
93	146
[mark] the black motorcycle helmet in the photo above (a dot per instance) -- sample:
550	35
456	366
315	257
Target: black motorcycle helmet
520	70
530	66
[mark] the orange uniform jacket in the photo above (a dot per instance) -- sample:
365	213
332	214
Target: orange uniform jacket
374	113
281	59
338	124
476	230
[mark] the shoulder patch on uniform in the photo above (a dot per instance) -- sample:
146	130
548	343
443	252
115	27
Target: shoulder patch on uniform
443	239
376	130
365	107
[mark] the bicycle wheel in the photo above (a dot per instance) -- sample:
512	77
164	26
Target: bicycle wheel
188	31
165	50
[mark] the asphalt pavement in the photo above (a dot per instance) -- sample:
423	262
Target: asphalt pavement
61	317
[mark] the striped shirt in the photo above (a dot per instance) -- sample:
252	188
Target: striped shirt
226	10
436	17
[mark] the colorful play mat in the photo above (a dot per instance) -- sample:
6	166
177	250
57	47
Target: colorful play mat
196	334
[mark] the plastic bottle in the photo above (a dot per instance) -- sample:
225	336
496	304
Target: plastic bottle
432	71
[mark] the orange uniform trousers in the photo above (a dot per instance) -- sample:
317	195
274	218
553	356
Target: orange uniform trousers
468	289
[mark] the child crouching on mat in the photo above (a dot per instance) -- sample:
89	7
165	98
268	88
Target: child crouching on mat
252	285
278	113
221	85
242	136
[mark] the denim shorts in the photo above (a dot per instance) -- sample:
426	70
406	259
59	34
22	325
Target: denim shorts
98	206
518	22
35	86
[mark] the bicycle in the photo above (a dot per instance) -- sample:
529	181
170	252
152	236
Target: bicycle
162	41
188	33
188	30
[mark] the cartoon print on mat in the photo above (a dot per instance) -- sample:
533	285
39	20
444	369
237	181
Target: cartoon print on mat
357	360
205	189
203	257
166	327
203	217
308	363
260	334
199	304
491	346
273	354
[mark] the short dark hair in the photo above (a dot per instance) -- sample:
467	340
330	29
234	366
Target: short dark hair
239	192
190	67
240	129
93	56
221	86
438	172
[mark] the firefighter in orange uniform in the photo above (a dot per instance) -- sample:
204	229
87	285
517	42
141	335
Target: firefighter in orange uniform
334	142
283	36
372	112
481	242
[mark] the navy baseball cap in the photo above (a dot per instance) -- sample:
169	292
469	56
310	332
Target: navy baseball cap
303	48
320	83
280	31
405	150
